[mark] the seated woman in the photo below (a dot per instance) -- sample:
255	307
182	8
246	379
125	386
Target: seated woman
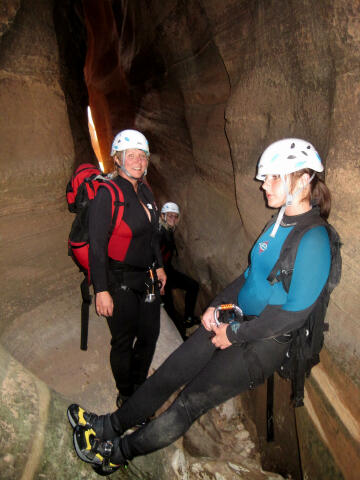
220	361
169	219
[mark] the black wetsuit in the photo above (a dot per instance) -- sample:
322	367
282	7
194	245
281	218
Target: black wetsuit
211	376
133	318
176	279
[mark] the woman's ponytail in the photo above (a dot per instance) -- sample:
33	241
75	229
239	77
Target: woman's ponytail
319	193
321	196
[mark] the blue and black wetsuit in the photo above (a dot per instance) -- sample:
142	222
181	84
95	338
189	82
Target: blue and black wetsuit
211	376
277	312
138	247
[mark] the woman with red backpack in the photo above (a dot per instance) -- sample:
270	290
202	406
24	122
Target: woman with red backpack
126	269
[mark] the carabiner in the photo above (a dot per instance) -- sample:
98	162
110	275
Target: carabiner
227	307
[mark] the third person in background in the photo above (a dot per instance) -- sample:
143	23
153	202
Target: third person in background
169	219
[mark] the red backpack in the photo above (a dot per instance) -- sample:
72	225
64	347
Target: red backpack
80	191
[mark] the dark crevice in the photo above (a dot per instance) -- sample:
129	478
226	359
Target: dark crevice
71	37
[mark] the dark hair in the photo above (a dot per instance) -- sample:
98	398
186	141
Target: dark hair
319	193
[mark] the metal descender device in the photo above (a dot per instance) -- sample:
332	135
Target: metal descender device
227	307
150	294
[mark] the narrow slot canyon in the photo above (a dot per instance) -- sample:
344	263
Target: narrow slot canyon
210	84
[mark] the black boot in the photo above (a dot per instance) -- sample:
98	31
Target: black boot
104	455
101	424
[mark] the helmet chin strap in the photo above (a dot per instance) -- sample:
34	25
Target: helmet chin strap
122	167
290	197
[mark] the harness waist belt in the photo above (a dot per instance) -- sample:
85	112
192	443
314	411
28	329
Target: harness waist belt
116	266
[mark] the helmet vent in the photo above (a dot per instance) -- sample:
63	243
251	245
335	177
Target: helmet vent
304	153
308	147
292	145
291	157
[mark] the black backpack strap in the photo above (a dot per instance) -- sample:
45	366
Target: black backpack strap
85	306
118	203
308	340
298	379
282	272
283	269
336	261
270	409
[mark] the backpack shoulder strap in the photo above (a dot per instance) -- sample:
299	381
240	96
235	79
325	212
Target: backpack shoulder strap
117	202
284	266
336	261
308	340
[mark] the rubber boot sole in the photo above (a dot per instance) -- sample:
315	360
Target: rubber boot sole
99	469
71	420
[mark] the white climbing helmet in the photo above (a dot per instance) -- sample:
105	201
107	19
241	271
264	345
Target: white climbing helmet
170	207
129	139
286	156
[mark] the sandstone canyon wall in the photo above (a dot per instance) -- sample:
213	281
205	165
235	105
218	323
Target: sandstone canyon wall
211	84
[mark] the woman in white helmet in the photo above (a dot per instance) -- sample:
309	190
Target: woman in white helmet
169	219
220	361
124	267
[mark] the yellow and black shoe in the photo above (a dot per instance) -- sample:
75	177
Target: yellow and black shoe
101	424
97	452
78	416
